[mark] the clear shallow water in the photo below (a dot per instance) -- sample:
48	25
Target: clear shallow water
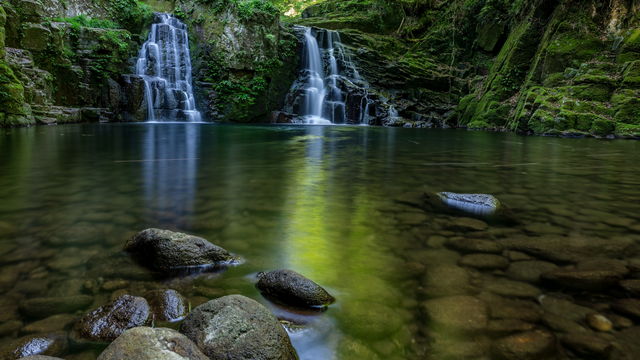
318	200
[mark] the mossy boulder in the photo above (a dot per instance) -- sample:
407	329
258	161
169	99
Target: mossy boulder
626	104
290	288
36	37
570	48
631	74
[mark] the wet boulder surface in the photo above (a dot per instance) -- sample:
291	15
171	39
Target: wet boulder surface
167	305
235	327
106	323
145	343
290	288
169	252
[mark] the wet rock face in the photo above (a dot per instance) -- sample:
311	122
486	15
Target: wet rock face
167	305
107	322
235	327
145	343
168	251
42	344
290	288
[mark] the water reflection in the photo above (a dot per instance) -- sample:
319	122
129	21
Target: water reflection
170	164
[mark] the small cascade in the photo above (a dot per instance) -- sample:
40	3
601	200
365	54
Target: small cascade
164	62
329	90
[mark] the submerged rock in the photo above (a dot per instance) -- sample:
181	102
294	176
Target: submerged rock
587	345
168	251
47	306
42	344
458	313
145	343
235	327
570	249
167	305
290	288
524	346
592	280
106	323
484	261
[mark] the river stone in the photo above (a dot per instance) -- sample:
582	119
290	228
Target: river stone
41	357
563	307
475	204
466	245
591	280
168	251
53	344
458	313
467	224
106	323
484	261
629	307
44	307
504	308
235	327
530	345
50	324
510	288
569	249
446	280
167	305
145	343
632	286
529	271
508	326
10	328
290	288
599	322
563	324
587	345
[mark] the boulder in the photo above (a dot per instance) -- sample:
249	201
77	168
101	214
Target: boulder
53	344
145	343
167	305
290	288
36	37
47	306
106	323
168	251
235	327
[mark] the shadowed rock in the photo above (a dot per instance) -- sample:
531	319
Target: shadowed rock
168	251
235	327
290	288
42	344
167	305
106	323
145	343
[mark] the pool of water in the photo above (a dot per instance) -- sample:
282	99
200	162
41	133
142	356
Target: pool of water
335	203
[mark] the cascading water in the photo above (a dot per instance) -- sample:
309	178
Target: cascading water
164	63
330	90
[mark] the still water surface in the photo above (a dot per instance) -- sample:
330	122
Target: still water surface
319	200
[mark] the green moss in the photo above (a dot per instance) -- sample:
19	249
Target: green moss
84	21
631	74
626	106
478	124
627	130
593	92
11	91
602	127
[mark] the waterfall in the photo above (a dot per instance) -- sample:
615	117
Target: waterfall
329	90
164	63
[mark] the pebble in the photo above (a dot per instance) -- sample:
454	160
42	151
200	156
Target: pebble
599	322
458	313
530	345
466	245
484	261
467	224
510	288
530	270
587	345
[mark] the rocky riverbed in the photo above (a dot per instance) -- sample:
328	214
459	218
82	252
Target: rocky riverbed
556	278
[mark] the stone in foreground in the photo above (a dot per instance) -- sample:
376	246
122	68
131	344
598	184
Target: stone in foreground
235	327
168	251
290	288
475	204
167	305
145	343
106	323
